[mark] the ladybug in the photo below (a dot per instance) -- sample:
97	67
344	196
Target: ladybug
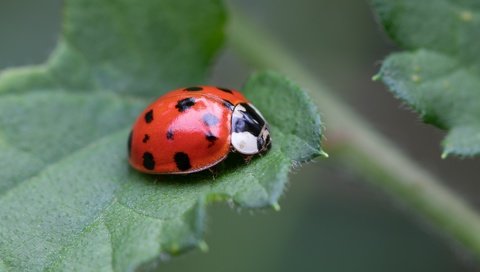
192	129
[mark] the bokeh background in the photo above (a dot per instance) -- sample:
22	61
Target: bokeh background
331	219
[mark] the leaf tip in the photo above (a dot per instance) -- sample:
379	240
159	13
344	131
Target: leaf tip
174	249
276	207
217	197
324	154
203	246
376	77
444	155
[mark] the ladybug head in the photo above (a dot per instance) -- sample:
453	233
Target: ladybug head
250	134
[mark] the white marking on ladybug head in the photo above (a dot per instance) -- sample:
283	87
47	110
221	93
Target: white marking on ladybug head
250	133
245	143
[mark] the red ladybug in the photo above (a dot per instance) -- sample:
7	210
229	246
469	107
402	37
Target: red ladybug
192	129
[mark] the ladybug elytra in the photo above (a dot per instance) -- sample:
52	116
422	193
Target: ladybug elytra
192	129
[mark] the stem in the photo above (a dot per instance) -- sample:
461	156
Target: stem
363	148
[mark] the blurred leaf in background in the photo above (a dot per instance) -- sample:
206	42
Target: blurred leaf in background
439	74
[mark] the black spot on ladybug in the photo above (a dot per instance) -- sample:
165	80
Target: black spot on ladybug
182	160
149	116
193	89
185	104
211	138
148	161
169	134
129	144
146	138
225	90
228	104
210	119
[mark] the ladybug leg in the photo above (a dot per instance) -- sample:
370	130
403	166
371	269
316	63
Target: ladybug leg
248	158
213	171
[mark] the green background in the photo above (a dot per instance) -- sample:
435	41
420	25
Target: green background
330	219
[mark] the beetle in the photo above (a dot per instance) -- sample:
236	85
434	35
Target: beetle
192	129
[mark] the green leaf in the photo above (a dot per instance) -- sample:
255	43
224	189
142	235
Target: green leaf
68	198
439	76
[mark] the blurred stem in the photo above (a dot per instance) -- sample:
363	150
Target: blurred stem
362	147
